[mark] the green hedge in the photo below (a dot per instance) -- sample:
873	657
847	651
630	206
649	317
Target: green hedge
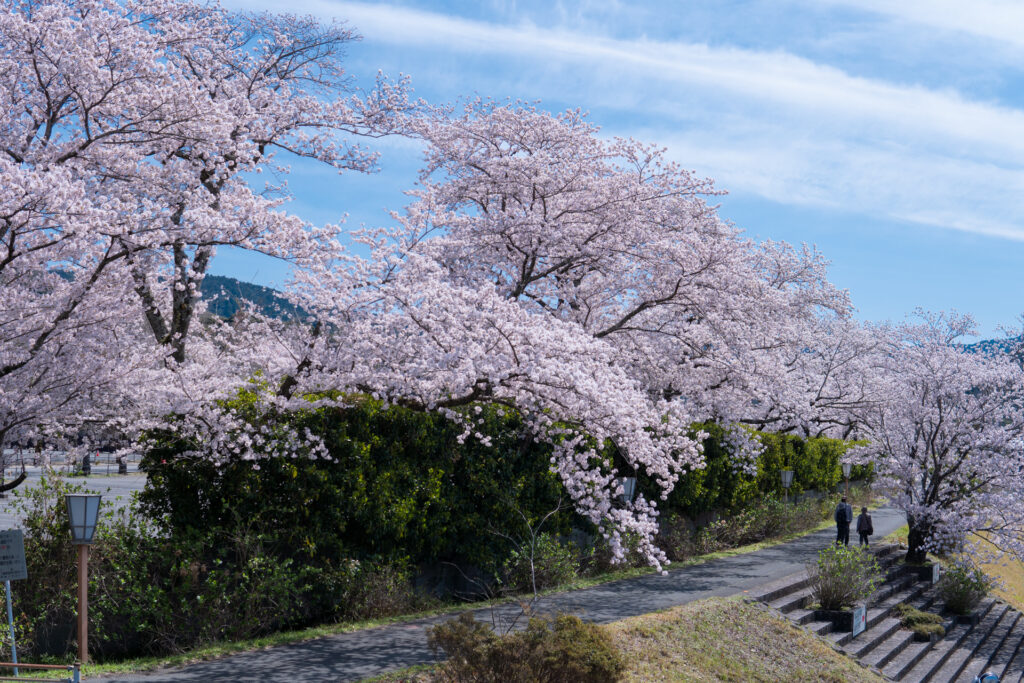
401	487
719	487
233	551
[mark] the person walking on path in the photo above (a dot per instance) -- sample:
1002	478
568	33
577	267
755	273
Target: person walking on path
864	526
844	515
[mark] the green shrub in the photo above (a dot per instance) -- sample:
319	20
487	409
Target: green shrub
372	591
401	486
962	586
597	558
151	593
553	650
762	521
843	576
676	537
550	564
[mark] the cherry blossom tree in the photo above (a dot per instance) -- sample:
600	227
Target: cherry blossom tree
615	238
946	431
586	282
125	135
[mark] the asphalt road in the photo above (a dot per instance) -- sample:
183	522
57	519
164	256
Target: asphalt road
362	654
116	489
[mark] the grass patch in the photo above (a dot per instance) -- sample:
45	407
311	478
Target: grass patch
728	639
921	623
720	639
1009	576
414	674
898	536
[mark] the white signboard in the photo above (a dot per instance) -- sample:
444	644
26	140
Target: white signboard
12	555
860	619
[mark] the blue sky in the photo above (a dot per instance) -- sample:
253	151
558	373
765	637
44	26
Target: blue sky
888	134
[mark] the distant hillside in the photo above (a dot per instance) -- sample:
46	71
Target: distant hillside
994	345
225	295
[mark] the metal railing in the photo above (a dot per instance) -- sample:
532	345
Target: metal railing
73	670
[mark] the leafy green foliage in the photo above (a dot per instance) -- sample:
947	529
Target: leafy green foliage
400	487
843	576
962	586
549	650
548	564
762	520
151	593
719	486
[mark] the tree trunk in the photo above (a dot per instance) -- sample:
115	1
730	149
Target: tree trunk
919	533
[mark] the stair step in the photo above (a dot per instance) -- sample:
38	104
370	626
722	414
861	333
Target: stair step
1008	661
984	658
881	611
907	660
937	652
875	635
820	628
962	654
801	616
792	601
892	647
780	587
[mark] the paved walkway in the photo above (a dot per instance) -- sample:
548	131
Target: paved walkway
362	654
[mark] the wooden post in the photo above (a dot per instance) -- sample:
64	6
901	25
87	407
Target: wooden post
83	603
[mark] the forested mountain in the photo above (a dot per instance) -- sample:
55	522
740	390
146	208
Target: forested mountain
225	295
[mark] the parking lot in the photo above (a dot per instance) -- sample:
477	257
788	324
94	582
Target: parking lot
115	488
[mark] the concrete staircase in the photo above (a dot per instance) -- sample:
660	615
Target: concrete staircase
994	644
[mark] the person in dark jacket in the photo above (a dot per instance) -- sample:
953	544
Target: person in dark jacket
864	526
844	515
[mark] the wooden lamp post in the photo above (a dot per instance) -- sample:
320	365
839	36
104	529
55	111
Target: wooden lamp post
83	512
787	481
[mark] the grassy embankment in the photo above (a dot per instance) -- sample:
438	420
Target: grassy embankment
728	639
1009	572
720	639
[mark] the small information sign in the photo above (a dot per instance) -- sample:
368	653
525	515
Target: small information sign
12	555
935	573
860	619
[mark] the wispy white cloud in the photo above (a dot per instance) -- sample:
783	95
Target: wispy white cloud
926	189
988	19
775	77
769	123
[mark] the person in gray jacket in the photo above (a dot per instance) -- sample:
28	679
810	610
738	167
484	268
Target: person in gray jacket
864	526
844	515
